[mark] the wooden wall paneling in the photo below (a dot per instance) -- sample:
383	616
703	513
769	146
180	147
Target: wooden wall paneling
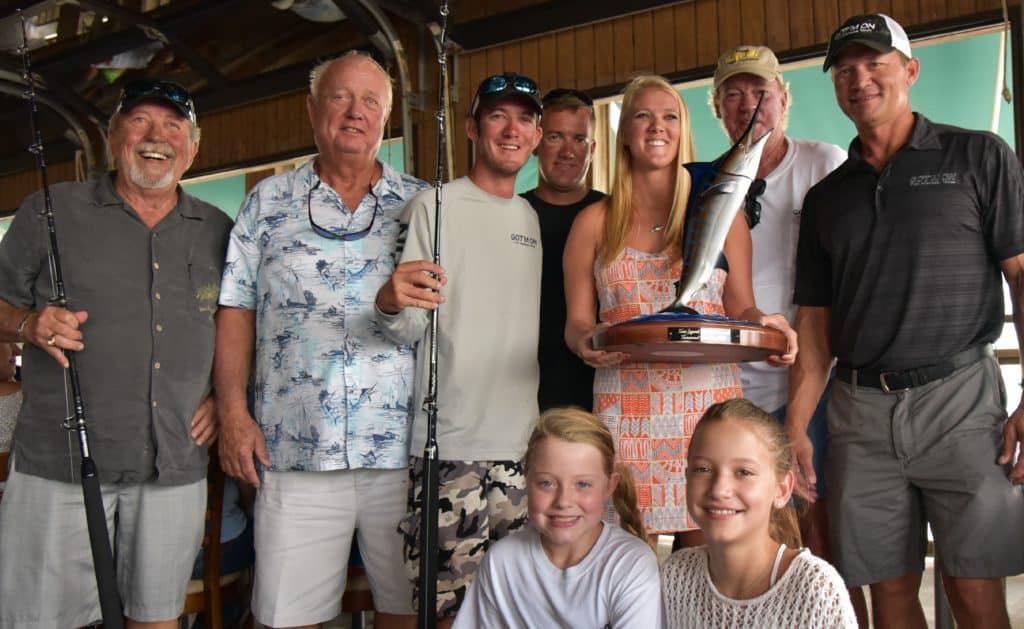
706	25
906	11
801	23
777	24
961	7
730	18
585	63
16	187
604	53
547	72
643	43
932	10
665	36
565	66
478	71
686	35
622	29
495	62
847	9
752	23
827	19
529	58
512	57
425	119
878	6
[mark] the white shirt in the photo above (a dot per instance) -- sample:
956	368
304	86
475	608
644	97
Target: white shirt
774	256
809	594
616	585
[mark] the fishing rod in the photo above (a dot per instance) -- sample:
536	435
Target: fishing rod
429	490
96	519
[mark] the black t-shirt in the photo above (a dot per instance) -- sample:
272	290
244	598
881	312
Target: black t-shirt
908	259
564	379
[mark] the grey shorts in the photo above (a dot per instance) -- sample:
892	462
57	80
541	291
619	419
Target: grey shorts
46	571
927	455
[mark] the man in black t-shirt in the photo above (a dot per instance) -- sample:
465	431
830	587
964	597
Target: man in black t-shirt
899	265
564	153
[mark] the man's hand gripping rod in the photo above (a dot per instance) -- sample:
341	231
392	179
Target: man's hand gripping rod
96	520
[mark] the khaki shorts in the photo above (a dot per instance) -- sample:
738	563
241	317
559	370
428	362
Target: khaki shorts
46	571
303	533
483	501
898	461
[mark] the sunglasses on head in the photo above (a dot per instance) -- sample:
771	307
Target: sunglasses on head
560	92
752	207
501	82
146	88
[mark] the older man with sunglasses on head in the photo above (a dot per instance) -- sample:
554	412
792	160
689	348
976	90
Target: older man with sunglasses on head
141	262
332	395
487	334
563	158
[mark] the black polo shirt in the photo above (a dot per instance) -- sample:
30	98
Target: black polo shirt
564	378
907	259
151	295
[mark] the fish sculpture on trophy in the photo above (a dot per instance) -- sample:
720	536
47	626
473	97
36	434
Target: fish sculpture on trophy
679	333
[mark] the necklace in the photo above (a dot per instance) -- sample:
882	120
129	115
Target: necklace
658	228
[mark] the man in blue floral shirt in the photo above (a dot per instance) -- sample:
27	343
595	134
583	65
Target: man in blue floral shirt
309	251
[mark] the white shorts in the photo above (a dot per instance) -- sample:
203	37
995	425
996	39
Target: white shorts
303	535
46	570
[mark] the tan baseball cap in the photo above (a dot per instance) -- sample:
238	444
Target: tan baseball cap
757	60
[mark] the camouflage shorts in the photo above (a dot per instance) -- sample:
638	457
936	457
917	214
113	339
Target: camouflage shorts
480	503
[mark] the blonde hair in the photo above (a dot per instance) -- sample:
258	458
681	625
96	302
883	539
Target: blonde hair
620	201
782	524
574	425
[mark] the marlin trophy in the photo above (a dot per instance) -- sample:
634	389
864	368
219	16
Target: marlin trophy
678	333
708	224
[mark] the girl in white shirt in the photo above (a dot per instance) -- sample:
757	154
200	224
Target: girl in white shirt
568	568
739	479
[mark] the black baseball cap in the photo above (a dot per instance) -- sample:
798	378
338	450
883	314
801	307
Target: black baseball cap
167	92
500	86
876	31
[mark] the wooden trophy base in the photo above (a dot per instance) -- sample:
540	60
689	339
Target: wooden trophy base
675	337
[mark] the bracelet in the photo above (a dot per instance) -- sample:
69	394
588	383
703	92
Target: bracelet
21	326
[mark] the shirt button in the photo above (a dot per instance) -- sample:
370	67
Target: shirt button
159	328
157	295
156	365
156	265
154	403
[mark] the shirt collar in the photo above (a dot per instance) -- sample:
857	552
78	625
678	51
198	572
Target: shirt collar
390	181
104	193
922	138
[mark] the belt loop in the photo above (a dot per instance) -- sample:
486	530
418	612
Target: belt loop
853	380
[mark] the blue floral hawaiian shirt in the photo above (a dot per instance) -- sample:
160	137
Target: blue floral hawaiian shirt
331	392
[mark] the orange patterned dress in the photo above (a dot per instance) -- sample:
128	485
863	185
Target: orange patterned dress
652	408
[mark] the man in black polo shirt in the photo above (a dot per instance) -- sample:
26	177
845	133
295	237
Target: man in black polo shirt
564	155
900	256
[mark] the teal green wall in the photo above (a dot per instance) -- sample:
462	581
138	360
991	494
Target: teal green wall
956	87
227	193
